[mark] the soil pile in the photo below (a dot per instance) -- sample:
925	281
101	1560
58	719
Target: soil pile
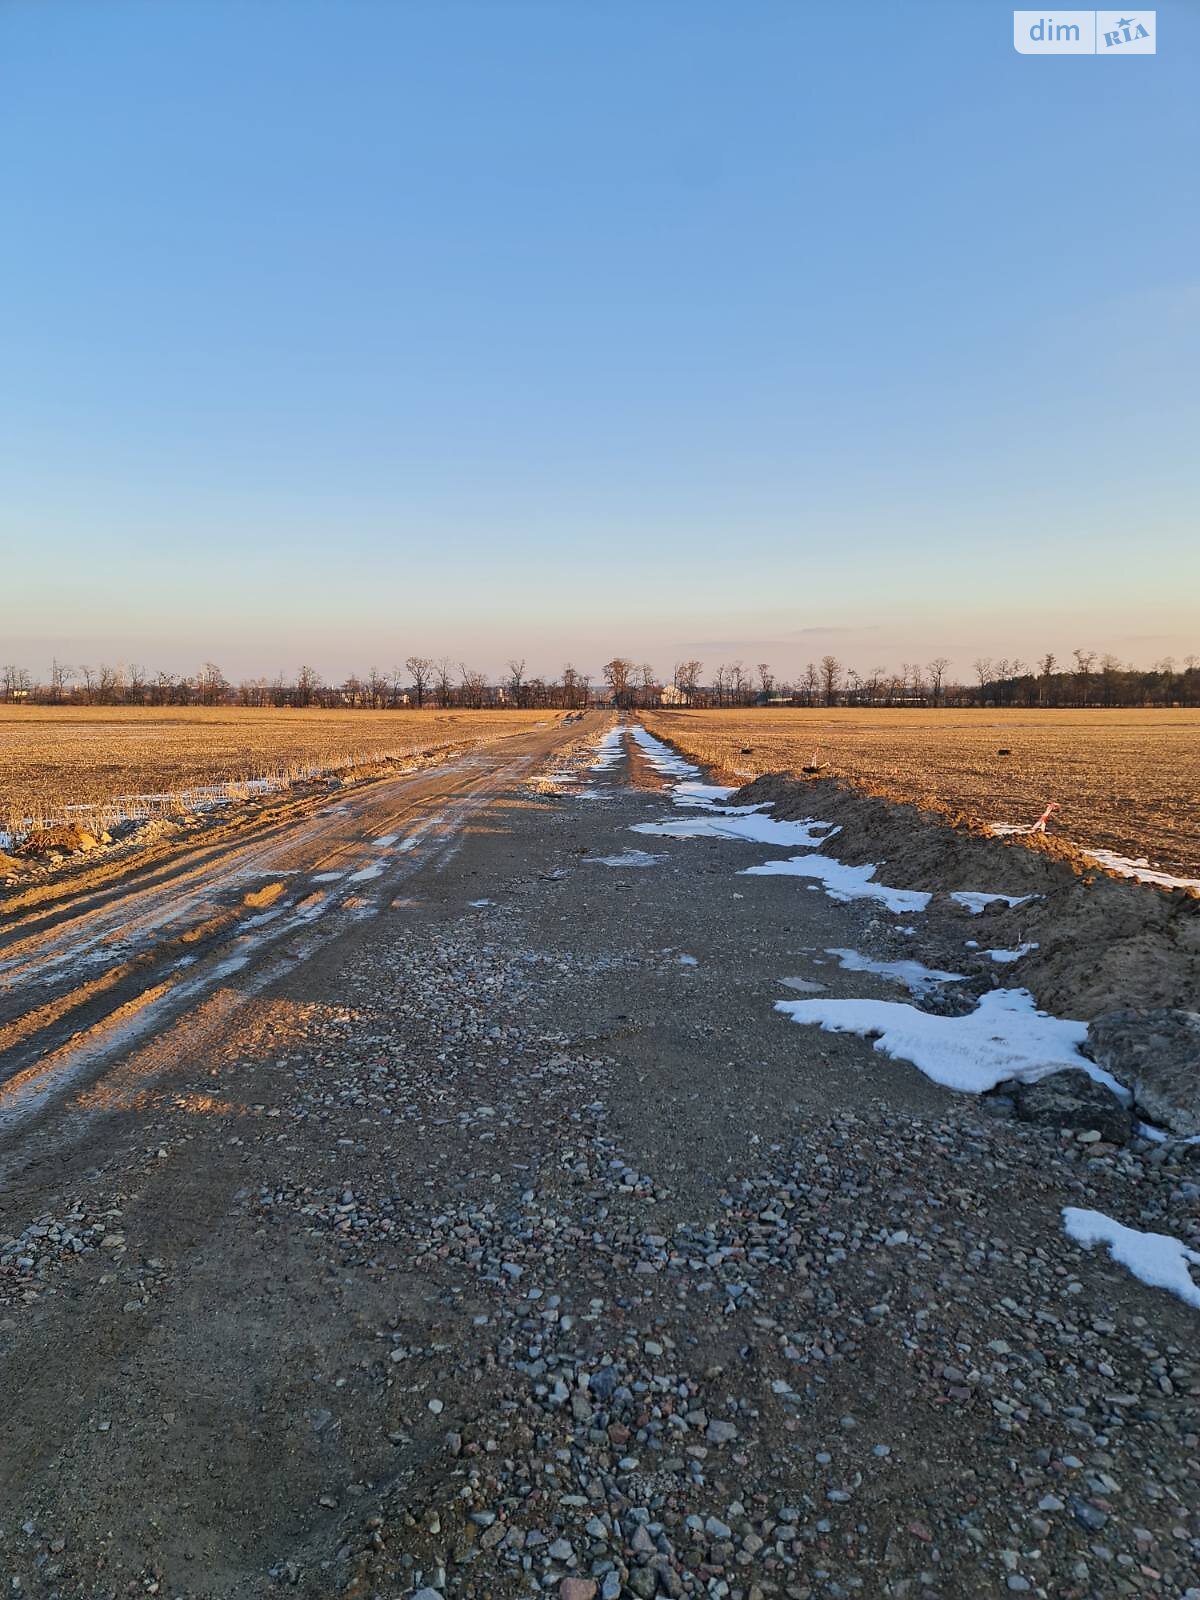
67	840
1102	942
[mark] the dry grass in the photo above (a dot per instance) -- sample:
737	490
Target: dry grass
1126	780
56	759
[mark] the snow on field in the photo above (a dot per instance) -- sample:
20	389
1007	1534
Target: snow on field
1158	1259
1006	1036
1140	869
842	882
1009	955
364	874
918	979
750	828
630	858
975	902
803	985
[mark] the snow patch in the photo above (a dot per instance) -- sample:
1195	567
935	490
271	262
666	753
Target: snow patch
749	829
803	985
1157	1259
365	873
842	882
610	749
1006	1036
975	902
1004	956
1140	869
629	858
918	979
703	794
660	756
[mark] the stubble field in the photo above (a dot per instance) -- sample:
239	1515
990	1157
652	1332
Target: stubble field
1127	781
55	758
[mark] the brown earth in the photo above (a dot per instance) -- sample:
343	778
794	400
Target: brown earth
1124	780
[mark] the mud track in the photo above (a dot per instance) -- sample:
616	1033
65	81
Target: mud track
144	947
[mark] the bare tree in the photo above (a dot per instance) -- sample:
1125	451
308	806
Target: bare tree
308	681
687	677
16	682
421	670
1046	668
109	684
572	690
474	685
766	679
1110	670
516	680
812	683
937	676
211	684
1084	661
1166	668
831	676
60	677
444	682
617	675
376	687
984	671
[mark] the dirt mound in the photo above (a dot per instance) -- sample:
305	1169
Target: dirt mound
67	840
1102	942
8	864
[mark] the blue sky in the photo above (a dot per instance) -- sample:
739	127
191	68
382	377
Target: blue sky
337	331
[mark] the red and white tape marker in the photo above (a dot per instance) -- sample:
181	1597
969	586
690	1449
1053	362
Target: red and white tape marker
1040	825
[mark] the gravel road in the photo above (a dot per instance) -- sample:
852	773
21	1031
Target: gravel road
494	1235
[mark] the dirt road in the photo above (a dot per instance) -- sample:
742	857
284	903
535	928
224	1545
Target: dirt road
471	1223
140	948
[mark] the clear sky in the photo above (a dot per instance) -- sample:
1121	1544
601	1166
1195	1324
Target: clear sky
333	332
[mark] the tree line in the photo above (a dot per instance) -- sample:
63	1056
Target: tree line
1085	679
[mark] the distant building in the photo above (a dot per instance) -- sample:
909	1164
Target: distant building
672	695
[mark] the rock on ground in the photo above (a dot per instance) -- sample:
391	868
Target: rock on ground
1156	1054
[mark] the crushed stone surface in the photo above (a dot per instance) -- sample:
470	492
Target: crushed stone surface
518	1246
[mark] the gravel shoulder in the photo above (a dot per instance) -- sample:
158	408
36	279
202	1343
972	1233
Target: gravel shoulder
513	1243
